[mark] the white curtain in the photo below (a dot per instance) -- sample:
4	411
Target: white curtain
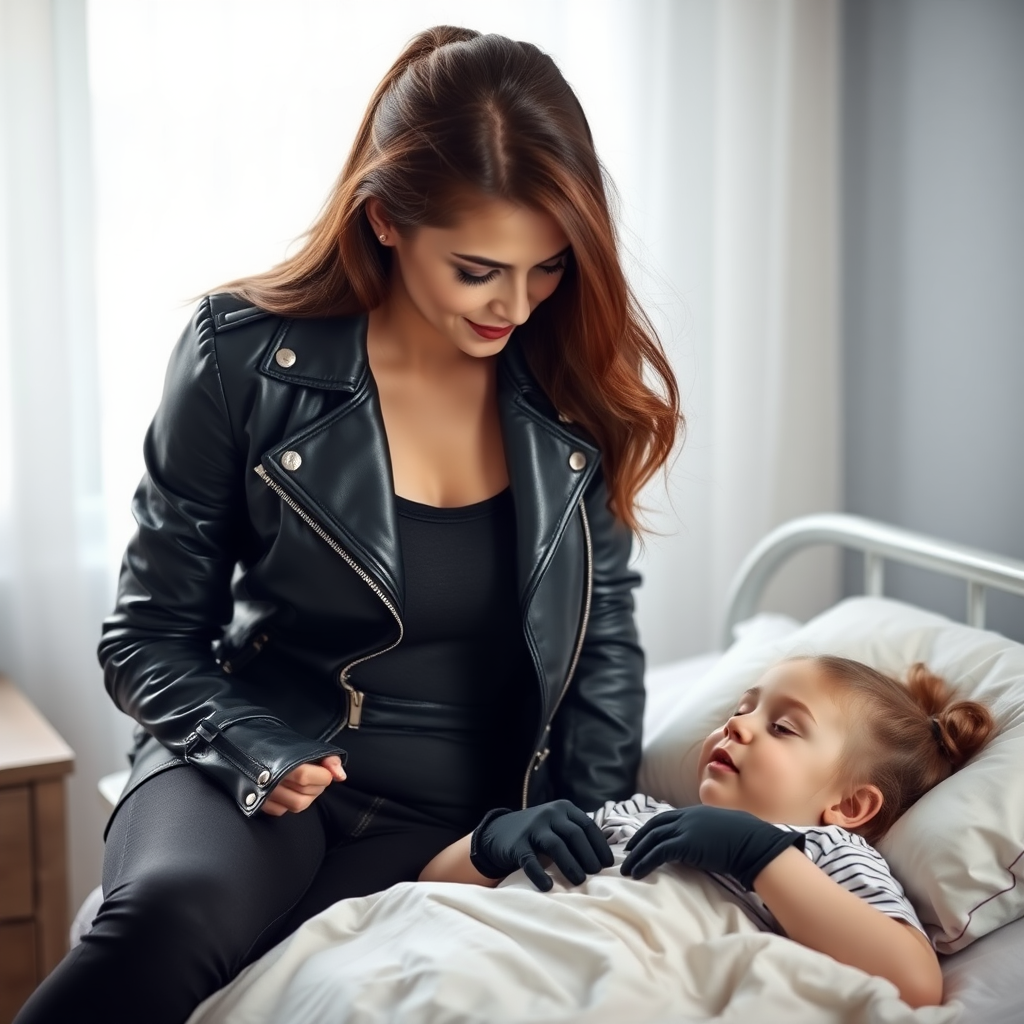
760	364
54	582
777	415
215	128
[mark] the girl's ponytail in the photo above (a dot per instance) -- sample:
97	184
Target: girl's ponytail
960	727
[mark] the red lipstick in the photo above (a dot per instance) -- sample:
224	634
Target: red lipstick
490	333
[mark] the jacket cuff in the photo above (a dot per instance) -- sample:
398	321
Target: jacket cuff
248	753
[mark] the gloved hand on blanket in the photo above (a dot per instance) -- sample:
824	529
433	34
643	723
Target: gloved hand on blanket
709	838
506	840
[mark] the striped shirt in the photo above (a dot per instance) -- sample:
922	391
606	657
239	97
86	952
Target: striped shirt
847	858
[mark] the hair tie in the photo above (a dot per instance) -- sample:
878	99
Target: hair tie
937	733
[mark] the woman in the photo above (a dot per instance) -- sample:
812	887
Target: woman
387	514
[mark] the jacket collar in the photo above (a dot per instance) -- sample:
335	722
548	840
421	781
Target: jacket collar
345	482
329	354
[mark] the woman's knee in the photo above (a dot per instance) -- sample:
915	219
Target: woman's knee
160	944
188	908
180	853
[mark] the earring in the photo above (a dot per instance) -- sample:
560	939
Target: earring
383	238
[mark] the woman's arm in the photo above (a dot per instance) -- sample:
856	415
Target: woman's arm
174	595
819	913
452	864
812	909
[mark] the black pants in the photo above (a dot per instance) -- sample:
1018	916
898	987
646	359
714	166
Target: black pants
194	891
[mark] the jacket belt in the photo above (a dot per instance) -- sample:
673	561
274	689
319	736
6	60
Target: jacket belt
395	714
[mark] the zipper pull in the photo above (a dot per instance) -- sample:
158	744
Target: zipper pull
542	755
355	703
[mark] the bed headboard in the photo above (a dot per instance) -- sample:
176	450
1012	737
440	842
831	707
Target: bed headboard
879	542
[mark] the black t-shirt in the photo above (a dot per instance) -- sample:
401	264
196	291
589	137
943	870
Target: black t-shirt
463	647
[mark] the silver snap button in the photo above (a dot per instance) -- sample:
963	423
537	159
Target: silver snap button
263	778
291	461
250	799
285	357
577	461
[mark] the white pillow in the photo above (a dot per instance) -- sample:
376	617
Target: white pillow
959	851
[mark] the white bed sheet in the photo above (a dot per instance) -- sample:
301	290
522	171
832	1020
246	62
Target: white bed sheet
670	949
986	977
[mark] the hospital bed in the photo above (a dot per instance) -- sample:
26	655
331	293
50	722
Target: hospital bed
959	851
985	976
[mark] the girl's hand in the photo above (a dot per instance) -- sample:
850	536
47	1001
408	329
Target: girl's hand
709	838
302	785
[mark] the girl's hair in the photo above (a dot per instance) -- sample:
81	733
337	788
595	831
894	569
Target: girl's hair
908	738
462	116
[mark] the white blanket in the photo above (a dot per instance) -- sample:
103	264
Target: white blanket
670	948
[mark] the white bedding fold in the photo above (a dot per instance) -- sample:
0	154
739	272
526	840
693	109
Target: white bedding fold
670	948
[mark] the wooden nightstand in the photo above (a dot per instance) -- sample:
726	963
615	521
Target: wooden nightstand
33	849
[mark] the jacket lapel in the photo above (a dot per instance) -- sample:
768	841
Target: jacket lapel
549	467
342	474
342	477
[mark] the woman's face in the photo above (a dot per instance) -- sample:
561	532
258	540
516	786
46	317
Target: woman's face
491	269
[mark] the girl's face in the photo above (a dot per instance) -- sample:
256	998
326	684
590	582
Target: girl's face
490	270
777	755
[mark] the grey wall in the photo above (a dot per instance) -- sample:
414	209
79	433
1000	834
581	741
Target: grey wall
933	224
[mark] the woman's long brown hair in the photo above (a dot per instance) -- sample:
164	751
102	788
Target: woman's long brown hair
462	115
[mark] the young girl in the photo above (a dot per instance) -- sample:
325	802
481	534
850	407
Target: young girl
831	748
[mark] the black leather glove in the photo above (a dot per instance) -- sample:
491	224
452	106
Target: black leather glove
506	840
709	838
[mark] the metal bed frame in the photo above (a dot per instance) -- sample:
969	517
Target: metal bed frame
879	542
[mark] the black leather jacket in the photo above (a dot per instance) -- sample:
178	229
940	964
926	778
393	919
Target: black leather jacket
266	523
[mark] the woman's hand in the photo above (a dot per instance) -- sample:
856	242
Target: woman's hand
302	785
709	838
506	840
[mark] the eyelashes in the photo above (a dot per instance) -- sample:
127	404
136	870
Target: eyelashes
472	278
467	278
776	727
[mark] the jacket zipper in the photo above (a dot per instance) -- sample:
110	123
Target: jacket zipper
541	755
355	697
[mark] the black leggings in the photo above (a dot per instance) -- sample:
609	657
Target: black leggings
194	891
